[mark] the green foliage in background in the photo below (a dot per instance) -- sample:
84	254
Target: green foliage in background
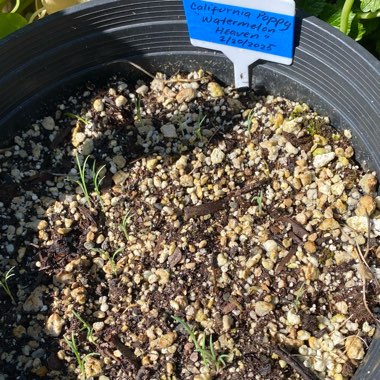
11	17
15	14
360	19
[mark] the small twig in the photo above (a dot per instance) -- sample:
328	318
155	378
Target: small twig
183	80
141	69
3	150
205	208
215	206
297	228
342	324
286	259
365	264
304	372
364	288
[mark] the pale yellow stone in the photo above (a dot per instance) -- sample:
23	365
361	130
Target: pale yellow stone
314	343
358	223
203	376
185	95
368	183
329	224
163	276
151	163
310	247
263	308
215	90
54	325
366	206
18	331
342	307
310	271
166	340
98	105
354	348
93	367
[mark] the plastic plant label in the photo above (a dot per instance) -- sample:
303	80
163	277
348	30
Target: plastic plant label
244	30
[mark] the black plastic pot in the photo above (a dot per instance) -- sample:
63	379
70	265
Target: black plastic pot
47	59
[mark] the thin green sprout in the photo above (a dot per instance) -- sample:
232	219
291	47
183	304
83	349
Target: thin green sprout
73	116
181	124
250	120
82	175
208	355
74	348
112	259
299	293
86	326
125	222
4	283
97	180
138	111
198	126
259	201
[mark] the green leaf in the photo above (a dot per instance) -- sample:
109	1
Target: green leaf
357	30
332	14
370	5
10	22
314	8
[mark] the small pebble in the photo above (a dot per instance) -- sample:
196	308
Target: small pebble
368	183
48	123
215	90
354	348
185	95
323	159
54	325
120	101
169	131
98	105
142	90
263	308
217	156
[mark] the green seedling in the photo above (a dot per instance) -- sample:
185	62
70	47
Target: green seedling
250	120
74	349
86	326
138	107
97	181
4	283
82	178
125	223
208	354
77	117
259	200
106	256
112	259
198	126
299	293
180	120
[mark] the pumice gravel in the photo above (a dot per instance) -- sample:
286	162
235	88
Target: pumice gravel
180	229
